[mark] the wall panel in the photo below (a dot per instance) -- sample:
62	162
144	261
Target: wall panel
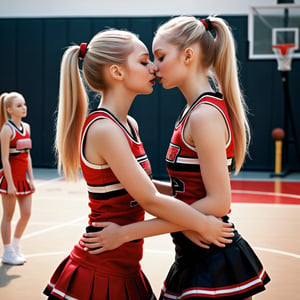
8	52
31	51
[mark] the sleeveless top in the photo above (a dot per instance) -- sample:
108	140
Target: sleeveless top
20	142
19	147
182	160
108	199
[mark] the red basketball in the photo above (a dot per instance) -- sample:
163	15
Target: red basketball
278	134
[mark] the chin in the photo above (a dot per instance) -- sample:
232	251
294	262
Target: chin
147	92
168	87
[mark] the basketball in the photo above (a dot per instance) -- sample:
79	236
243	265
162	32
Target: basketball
278	134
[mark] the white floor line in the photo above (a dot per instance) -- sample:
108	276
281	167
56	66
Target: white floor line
57	226
27	236
33	223
48	254
278	252
49	181
266	193
171	252
168	252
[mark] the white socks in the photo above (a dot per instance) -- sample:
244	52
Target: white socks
16	245
10	255
15	242
8	248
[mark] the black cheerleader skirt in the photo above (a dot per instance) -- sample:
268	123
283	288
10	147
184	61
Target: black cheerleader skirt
233	272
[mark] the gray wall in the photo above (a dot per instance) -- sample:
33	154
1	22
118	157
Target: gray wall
31	50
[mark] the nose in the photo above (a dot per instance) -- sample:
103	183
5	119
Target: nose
153	67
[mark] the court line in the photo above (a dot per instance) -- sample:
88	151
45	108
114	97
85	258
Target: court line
171	252
49	181
266	193
33	223
54	227
26	236
49	253
278	252
155	250
256	248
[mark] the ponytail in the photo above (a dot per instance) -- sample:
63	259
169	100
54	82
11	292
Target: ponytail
3	112
72	110
226	71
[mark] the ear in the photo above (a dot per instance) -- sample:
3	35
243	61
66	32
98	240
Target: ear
188	55
116	72
9	110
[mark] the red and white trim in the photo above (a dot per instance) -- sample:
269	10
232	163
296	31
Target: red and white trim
217	292
59	294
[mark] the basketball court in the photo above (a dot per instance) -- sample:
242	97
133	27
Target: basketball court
265	210
274	34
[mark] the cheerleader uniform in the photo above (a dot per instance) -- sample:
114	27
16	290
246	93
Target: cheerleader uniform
116	274
233	272
20	145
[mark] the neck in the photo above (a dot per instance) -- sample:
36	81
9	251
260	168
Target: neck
194	86
16	121
118	104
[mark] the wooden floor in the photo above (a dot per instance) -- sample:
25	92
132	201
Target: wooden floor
265	210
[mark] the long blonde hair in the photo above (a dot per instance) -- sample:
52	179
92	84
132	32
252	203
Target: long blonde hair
218	54
106	48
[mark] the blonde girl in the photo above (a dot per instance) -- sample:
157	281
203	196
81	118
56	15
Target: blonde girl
105	144
16	176
210	137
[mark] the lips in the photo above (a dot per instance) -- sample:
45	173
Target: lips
153	80
159	79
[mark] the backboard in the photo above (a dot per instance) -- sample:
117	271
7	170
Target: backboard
273	25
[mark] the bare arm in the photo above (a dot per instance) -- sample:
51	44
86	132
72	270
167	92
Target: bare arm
30	173
114	235
29	165
29	168
5	142
113	149
207	131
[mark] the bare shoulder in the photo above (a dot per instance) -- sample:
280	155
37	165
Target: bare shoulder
26	125
103	128
104	140
205	115
133	122
206	124
6	130
106	133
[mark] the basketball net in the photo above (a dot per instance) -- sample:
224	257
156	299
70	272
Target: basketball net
283	54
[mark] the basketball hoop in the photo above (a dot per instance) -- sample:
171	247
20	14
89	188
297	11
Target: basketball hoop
283	54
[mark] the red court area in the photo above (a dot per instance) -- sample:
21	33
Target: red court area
265	211
274	192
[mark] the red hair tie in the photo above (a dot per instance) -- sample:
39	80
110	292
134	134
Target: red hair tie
82	50
207	24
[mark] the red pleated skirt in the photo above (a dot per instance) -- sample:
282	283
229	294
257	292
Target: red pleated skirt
112	275
18	164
